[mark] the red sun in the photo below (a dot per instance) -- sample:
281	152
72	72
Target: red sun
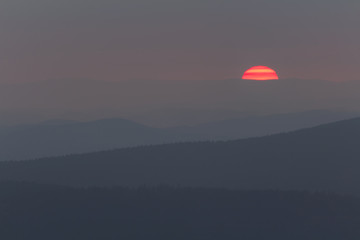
260	73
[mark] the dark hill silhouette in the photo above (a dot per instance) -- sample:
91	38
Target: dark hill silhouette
256	126
323	158
59	137
54	138
45	212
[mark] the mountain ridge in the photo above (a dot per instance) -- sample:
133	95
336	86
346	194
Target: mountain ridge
60	137
323	158
141	99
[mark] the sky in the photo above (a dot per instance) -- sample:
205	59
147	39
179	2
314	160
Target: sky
115	40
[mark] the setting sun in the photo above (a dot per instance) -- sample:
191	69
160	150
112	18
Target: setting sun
260	73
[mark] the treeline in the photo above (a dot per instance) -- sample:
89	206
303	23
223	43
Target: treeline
32	211
324	158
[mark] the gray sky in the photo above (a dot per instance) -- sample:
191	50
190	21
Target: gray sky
177	39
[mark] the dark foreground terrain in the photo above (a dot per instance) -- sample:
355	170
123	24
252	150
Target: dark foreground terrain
43	212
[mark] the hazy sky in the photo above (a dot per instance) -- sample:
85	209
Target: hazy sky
177	39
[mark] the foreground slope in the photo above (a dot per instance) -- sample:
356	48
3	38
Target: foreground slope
49	212
324	158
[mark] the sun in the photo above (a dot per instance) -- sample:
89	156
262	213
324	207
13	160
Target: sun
260	73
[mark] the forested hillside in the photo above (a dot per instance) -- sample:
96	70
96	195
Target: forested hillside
324	158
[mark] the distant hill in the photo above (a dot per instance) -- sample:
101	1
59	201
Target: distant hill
62	137
54	138
43	212
170	103
256	126
324	158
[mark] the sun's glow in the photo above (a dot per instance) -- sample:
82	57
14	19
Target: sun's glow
260	73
